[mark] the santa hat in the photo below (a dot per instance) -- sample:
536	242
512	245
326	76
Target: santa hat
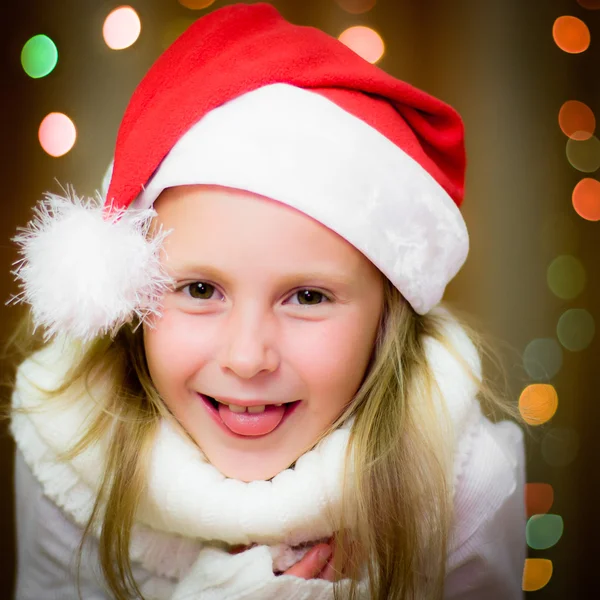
245	99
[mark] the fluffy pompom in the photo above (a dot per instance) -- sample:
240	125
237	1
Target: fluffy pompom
85	273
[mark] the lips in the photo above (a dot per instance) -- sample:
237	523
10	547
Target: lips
248	423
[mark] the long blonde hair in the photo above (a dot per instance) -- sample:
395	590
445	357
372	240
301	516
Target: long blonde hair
399	511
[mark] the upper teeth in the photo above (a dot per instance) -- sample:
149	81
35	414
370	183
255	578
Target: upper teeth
240	409
251	409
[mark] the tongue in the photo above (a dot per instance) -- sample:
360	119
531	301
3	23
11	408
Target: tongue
252	424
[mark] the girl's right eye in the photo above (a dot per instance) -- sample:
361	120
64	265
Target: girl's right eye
199	290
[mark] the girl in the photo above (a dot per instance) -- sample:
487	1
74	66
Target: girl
240	382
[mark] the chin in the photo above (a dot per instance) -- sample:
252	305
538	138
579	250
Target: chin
249	468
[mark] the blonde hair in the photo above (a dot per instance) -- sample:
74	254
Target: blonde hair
399	457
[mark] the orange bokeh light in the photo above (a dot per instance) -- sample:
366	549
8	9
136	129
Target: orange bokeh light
366	42
536	574
538	403
571	34
196	4
539	498
586	199
577	120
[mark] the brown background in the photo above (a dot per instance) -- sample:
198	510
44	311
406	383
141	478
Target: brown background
496	62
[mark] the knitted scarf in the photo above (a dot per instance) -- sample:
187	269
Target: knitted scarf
190	511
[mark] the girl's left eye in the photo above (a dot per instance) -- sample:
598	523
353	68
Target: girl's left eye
310	296
200	290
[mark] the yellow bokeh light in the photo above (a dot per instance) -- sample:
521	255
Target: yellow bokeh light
536	574
57	134
577	120
196	4
366	42
122	28
571	34
538	403
586	199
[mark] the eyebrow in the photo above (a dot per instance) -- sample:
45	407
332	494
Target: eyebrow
334	277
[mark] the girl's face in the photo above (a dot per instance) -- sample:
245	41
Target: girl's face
270	308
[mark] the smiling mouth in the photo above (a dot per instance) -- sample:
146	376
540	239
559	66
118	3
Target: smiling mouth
252	421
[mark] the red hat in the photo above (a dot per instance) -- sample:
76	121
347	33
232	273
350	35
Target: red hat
247	100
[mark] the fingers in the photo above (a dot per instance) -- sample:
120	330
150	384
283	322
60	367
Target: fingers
313	562
328	573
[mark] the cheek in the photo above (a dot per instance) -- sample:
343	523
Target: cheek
173	352
333	363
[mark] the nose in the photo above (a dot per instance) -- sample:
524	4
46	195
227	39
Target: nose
247	347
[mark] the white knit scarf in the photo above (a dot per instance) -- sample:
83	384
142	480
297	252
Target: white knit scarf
188	501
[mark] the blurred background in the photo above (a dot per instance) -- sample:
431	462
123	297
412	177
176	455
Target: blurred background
524	76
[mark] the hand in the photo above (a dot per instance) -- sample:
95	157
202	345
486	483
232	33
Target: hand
317	563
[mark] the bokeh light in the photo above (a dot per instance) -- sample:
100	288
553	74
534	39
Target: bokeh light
196	4
538	403
591	4
544	531
174	29
57	134
356	7
560	446
559	234
539	498
576	329
542	359
571	34
536	574
39	56
577	120
586	199
566	277
122	28
584	155
366	42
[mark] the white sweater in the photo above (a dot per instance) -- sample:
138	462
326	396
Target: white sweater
189	501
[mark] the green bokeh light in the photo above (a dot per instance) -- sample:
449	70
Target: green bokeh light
542	359
576	329
566	277
543	531
39	56
584	155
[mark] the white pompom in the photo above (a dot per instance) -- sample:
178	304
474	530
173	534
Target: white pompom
85	275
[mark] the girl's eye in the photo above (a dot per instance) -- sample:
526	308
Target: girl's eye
200	290
312	297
